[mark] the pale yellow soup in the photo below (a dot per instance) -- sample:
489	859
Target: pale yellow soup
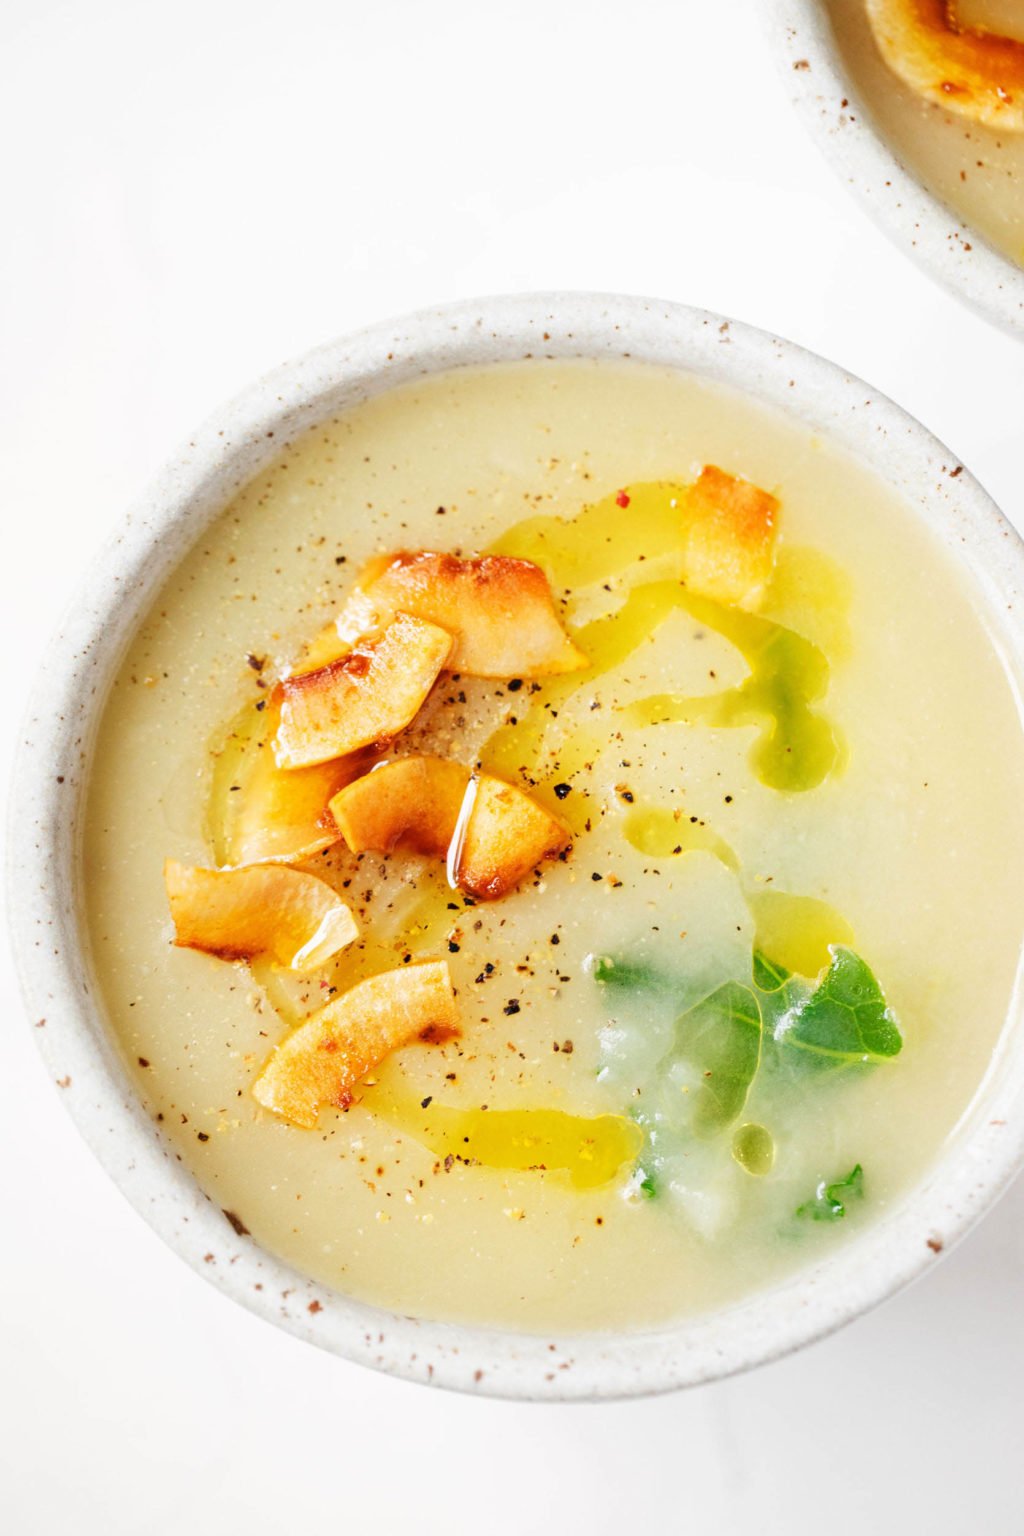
974	169
910	845
978	172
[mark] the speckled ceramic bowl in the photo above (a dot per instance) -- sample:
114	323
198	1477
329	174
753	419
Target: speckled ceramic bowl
54	765
830	105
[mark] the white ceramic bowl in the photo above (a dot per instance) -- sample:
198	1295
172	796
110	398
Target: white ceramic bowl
54	766
830	105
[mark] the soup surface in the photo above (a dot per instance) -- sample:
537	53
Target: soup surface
977	171
741	1015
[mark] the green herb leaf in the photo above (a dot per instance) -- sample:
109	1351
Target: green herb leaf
769	976
629	975
830	1200
721	1038
843	1024
845	1016
649	1187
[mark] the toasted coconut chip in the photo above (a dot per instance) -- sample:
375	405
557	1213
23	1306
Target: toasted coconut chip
500	610
367	697
507	836
409	805
492	834
729	528
321	1062
964	69
262	909
259	813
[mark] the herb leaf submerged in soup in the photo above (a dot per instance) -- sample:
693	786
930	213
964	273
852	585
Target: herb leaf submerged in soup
778	1031
831	1200
721	1039
845	1016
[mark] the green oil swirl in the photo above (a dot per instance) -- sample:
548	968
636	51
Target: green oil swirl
796	746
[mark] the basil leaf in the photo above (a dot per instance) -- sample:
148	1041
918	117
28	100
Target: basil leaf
769	976
843	1024
780	996
845	1016
830	1200
721	1038
631	975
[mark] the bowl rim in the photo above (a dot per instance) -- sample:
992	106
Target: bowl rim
52	767
915	219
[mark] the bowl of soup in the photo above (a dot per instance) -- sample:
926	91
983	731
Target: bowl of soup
920	106
518	858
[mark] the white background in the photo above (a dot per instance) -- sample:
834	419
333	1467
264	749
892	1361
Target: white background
189	194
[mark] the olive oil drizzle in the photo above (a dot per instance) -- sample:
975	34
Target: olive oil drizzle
229	750
589	1148
796	746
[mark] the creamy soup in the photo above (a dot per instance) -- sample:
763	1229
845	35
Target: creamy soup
976	170
746	998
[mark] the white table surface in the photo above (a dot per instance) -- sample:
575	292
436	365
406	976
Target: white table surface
196	191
